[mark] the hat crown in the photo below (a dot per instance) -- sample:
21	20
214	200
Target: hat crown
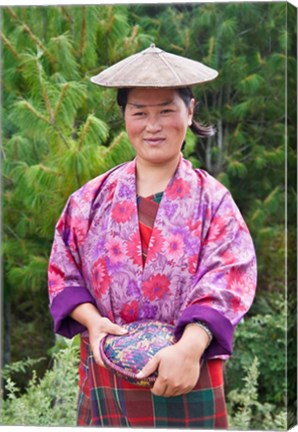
153	49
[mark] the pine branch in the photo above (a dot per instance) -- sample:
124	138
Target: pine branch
60	100
9	46
67	15
129	40
49	170
39	43
85	131
46	120
93	132
83	31
12	232
35	39
44	93
47	103
36	113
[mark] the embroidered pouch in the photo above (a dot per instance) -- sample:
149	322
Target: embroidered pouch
127	355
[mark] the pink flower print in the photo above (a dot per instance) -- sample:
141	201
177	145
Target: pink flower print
123	211
100	278
195	226
228	257
80	232
56	280
129	312
238	281
156	287
156	243
192	264
179	189
115	251
236	304
111	190
218	229
134	249
174	246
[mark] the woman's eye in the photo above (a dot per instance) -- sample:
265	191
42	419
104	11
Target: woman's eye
167	111
139	114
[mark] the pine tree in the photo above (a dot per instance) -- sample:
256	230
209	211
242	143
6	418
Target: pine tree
59	132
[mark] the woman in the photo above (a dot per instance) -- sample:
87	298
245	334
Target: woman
153	239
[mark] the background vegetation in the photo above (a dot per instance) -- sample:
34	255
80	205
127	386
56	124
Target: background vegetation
59	130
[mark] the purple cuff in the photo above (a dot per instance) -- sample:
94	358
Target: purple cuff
220	327
62	306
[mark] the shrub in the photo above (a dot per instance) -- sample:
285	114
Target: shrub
246	412
50	401
263	335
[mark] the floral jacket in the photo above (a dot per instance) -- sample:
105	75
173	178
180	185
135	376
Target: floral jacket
200	263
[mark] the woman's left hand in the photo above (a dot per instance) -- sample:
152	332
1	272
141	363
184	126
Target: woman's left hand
178	365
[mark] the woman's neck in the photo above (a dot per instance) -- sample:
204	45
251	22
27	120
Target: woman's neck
153	178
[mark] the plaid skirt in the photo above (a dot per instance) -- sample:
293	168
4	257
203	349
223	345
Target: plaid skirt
107	400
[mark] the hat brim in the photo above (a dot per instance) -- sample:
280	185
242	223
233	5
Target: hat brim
157	69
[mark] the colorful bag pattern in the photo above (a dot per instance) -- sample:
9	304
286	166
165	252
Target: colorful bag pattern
127	355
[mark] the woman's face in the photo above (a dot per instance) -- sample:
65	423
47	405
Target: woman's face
156	122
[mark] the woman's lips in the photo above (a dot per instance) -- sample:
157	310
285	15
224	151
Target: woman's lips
154	141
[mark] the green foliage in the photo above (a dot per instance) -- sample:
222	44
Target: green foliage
50	401
263	335
56	136
246	412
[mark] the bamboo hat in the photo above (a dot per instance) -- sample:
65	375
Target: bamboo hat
154	67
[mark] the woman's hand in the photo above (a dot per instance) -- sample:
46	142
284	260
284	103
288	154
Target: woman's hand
178	372
178	365
98	327
97	331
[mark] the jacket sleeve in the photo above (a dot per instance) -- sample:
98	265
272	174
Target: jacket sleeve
225	280
66	284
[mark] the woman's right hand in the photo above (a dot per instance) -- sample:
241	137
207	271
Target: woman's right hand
98	327
98	331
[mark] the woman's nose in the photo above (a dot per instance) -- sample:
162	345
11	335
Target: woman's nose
153	124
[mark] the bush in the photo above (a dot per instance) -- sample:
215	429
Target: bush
246	412
50	401
263	335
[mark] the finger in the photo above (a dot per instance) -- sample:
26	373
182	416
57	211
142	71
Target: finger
149	368
96	355
117	330
159	389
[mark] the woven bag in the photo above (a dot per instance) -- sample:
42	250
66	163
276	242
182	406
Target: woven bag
127	355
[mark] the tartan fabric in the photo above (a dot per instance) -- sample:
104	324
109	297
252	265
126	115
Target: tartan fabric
107	400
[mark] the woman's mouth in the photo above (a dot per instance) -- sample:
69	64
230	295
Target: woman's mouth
154	141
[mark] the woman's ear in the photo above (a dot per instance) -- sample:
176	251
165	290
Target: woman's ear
191	109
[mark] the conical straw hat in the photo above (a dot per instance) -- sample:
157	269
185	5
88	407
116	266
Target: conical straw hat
154	67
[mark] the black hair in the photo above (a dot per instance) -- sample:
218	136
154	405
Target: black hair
186	95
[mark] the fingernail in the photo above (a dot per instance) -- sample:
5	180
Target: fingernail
140	375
